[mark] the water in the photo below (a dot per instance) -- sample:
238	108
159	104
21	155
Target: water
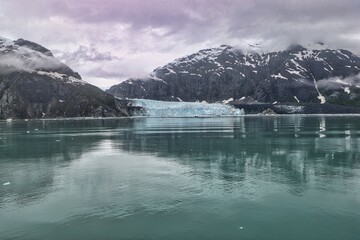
287	177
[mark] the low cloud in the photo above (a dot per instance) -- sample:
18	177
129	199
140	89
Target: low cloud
337	83
11	62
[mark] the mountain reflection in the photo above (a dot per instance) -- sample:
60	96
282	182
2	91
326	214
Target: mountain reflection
34	152
291	150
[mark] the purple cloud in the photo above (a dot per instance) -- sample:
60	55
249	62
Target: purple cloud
138	35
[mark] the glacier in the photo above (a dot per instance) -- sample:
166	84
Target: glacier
154	108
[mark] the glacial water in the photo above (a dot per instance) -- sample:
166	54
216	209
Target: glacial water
275	177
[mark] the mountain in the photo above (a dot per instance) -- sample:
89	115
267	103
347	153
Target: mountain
295	75
34	84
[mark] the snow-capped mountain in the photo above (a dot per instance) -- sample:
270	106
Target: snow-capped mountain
34	84
296	75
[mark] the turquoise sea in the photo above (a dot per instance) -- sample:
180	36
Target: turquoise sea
249	177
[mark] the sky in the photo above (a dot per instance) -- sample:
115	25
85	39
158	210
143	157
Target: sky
109	41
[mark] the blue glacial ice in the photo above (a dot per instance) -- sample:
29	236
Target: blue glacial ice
153	108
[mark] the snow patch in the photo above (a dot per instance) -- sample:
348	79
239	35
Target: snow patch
75	80
196	75
228	100
215	73
4	43
328	65
249	64
154	77
320	97
267	60
278	76
170	71
206	54
347	90
292	71
64	77
51	74
342	82
306	54
342	54
297	65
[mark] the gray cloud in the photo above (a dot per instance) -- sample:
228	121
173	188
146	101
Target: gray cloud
85	54
139	35
337	83
22	58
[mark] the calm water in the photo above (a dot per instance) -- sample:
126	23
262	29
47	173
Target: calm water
231	178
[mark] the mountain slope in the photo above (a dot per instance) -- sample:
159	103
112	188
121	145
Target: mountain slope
34	84
294	75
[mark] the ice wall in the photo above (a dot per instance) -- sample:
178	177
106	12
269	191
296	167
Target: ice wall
154	108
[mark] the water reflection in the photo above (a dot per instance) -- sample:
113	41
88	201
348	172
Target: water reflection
291	150
230	170
33	153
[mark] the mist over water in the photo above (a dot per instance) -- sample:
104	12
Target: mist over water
281	177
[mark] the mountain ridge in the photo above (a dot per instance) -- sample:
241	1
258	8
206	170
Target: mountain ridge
294	75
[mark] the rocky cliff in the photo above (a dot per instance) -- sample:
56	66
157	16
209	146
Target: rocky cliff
34	84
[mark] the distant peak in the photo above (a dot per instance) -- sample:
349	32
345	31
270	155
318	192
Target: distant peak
295	48
33	46
217	49
5	40
224	46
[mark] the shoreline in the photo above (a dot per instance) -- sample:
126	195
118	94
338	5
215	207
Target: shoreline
218	117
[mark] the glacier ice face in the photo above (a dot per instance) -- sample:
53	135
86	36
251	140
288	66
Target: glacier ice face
153	108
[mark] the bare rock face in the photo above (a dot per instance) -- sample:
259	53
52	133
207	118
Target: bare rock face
296	75
269	111
34	84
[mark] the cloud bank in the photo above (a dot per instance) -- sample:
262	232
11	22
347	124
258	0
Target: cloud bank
109	41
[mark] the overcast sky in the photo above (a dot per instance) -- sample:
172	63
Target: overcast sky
107	41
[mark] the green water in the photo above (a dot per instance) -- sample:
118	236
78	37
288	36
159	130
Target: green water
287	177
